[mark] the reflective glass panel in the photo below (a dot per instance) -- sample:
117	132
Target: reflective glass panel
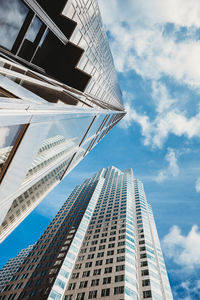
8	137
61	142
12	16
34	29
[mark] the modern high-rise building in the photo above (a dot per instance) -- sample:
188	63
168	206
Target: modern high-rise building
11	267
102	244
59	97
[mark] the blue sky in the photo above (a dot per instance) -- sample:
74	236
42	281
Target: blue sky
156	50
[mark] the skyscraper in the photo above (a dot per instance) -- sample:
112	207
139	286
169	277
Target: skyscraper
59	97
102	243
12	265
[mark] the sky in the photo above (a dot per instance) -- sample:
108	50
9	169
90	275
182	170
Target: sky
156	50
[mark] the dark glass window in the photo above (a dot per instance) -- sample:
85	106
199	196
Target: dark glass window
118	290
106	280
147	294
105	292
92	295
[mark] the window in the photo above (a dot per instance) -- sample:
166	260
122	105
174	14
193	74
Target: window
88	264
81	257
110	252
18	285
121	243
92	249
147	294
111	239
68	297
146	282
16	277
106	280
119	278
28	283
86	274
90	256
71	286
109	260
100	254
108	270
104	234
111	245
8	287
10	29
97	272
144	263
122	250
118	290
75	275
102	247
95	282
78	266
83	284
105	292
83	250
92	294
11	297
94	242
80	296
120	258
103	241
113	233
120	268
142	248
21	296
10	139
99	262
145	272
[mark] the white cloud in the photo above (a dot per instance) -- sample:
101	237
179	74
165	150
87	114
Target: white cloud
197	185
169	118
140	42
172	170
183	250
191	289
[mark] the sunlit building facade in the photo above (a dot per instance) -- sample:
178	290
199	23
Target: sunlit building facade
11	267
102	244
59	96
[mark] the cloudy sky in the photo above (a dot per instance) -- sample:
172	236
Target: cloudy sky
156	49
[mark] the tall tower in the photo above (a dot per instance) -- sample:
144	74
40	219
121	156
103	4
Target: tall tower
102	243
59	97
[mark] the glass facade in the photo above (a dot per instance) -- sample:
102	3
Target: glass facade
97	59
12	15
102	243
54	107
